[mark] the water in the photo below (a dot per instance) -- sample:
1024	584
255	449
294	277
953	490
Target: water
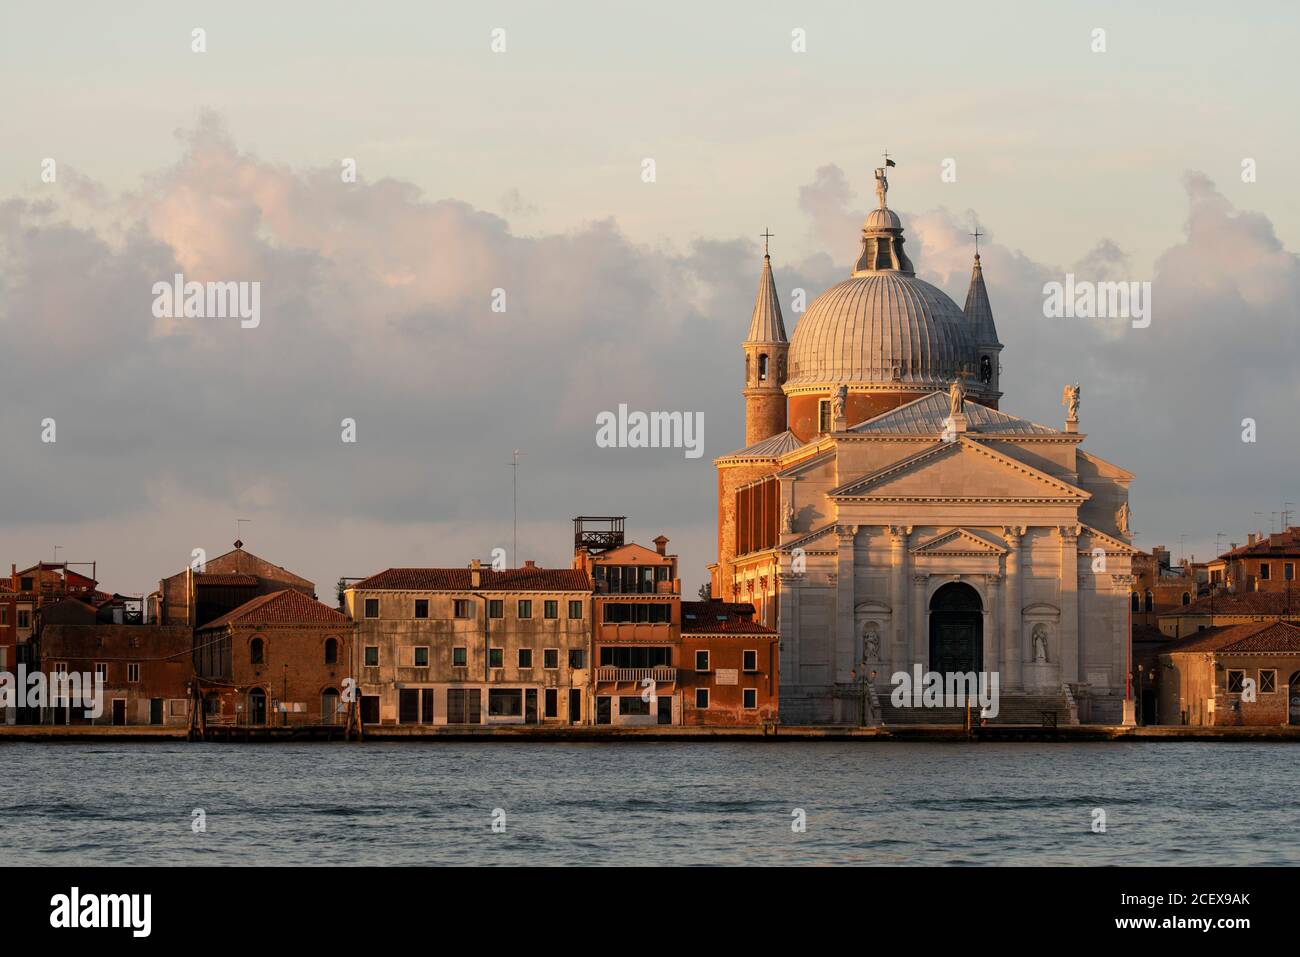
649	803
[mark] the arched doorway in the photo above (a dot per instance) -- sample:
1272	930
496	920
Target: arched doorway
257	706
1293	699
956	629
329	705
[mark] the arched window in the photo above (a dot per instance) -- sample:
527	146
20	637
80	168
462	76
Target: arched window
762	368
1187	599
331	651
1136	604
256	651
1151	602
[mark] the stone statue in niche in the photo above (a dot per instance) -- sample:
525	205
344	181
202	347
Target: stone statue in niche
1040	643
787	517
839	403
1122	519
871	642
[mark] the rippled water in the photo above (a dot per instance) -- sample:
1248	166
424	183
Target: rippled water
629	803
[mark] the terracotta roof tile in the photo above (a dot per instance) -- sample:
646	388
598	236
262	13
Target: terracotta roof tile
1255	637
204	578
1279	544
458	579
1242	603
285	607
717	617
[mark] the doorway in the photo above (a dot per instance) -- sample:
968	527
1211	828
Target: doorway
257	706
956	629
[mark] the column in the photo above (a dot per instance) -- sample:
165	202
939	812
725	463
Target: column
919	623
1012	628
898	598
788	624
844	639
992	634
1069	536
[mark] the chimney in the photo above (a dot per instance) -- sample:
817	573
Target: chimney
529	563
475	576
661	545
1250	538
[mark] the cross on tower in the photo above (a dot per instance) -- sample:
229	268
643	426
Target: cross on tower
977	234
766	234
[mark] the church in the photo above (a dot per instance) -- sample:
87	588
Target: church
886	513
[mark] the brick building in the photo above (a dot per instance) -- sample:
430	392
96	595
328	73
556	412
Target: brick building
194	598
22	597
473	645
1247	674
146	671
279	658
1266	563
729	673
1160	587
637	630
1223	608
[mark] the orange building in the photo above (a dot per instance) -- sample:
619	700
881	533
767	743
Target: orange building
1266	563
729	673
636	625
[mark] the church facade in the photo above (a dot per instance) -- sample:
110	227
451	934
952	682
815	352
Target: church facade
885	513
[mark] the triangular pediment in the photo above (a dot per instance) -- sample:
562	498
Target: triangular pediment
964	470
959	541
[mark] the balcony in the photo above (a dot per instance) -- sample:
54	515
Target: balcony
659	675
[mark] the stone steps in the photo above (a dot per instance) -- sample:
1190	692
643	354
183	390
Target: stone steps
1012	709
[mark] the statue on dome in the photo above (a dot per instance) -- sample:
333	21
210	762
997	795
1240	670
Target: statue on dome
882	186
956	397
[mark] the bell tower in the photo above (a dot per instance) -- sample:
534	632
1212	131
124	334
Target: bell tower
988	350
766	349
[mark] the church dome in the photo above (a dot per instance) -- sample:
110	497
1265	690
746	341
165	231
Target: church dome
882	326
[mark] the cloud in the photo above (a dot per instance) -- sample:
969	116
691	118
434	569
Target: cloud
377	306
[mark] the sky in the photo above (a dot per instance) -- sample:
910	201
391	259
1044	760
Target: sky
523	170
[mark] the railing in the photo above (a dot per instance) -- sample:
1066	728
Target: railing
636	675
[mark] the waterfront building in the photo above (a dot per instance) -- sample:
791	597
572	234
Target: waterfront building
637	624
1244	674
146	670
279	659
219	585
22	598
729	666
473	645
885	512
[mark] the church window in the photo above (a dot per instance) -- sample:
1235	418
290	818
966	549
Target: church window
986	369
256	651
824	415
762	368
